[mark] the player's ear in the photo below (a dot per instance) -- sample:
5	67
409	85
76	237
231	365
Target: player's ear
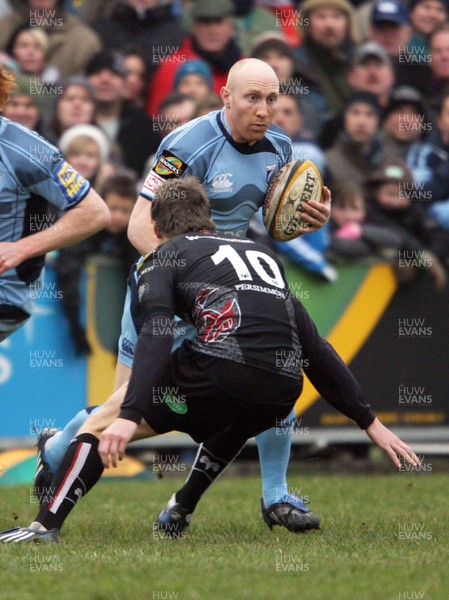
225	95
156	230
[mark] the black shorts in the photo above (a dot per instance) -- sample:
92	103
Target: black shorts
204	395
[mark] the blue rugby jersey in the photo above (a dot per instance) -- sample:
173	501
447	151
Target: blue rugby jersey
32	173
236	176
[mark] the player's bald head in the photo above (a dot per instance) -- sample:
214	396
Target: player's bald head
249	99
249	69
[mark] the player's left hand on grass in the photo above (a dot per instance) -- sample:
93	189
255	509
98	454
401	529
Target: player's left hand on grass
114	440
391	444
316	214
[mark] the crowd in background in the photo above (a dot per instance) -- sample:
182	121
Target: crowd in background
364	93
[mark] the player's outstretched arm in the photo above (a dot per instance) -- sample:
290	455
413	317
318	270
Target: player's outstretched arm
338	386
78	223
316	214
140	229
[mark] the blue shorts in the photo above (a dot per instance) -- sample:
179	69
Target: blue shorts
128	336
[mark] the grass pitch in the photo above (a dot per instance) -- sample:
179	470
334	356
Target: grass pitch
383	538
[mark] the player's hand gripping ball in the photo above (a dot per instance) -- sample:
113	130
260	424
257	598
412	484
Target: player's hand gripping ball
297	182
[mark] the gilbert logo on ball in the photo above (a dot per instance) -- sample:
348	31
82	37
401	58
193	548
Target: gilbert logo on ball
297	182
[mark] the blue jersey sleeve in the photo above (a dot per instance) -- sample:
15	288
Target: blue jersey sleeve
40	168
183	152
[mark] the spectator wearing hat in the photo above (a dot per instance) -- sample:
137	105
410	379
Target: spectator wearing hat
329	38
66	52
193	78
150	26
372	71
294	77
254	18
393	14
389	26
357	149
211	39
405	129
88	150
127	126
391	205
25	105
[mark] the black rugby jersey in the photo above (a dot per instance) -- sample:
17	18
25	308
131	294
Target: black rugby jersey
233	290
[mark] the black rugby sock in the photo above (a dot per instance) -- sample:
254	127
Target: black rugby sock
211	460
79	471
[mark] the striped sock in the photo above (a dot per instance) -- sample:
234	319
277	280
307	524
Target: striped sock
56	446
211	460
78	472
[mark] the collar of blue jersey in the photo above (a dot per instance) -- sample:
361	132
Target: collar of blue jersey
223	120
264	145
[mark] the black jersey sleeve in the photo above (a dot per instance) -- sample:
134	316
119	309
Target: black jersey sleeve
329	374
152	355
150	367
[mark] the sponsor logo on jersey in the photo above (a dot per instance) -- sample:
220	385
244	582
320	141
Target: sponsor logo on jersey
169	166
72	184
222	182
152	182
215	324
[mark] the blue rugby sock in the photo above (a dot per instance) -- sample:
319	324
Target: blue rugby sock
56	446
274	453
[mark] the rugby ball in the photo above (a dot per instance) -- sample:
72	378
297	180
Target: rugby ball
297	182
